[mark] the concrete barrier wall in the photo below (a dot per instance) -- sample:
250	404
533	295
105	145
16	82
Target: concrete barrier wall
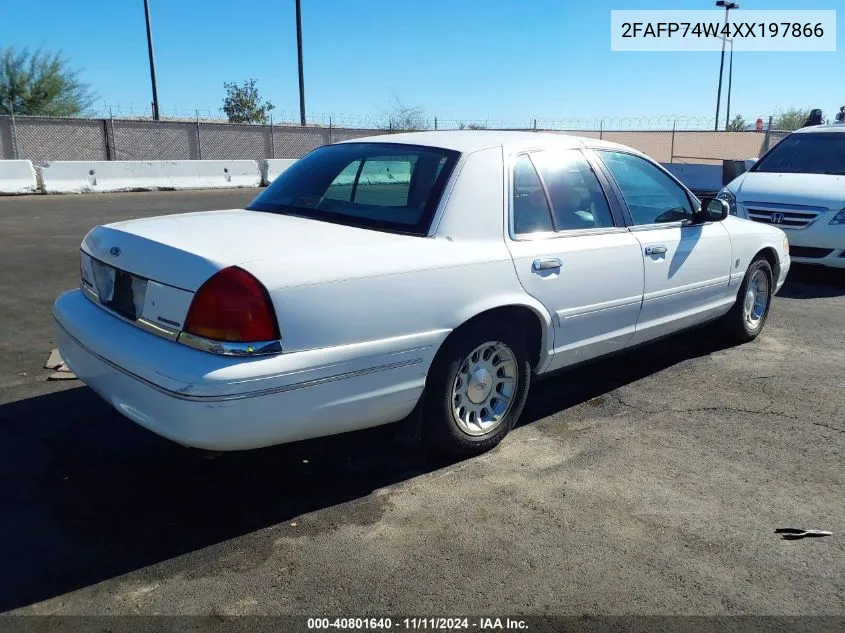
17	177
103	176
273	167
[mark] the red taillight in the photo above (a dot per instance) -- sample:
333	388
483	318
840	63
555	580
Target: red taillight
232	306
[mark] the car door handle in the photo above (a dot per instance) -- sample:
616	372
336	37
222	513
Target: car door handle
547	263
655	250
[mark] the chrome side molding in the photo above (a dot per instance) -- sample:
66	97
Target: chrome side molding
230	348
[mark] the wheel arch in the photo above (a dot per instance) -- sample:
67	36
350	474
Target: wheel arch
530	316
770	255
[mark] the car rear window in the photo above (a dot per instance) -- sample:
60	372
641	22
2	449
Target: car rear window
809	153
383	186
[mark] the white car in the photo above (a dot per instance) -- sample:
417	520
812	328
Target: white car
439	269
799	186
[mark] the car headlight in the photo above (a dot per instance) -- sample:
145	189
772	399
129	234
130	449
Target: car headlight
839	218
728	197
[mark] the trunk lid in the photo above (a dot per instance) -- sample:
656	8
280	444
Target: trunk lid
184	250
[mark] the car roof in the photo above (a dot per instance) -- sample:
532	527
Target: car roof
815	129
467	141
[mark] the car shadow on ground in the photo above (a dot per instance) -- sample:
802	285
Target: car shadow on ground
805	281
88	495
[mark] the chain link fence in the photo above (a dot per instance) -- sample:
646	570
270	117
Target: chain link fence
776	136
42	139
46	138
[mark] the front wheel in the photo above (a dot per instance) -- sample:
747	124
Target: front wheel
746	319
476	388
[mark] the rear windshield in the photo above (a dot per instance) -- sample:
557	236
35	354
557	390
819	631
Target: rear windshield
384	186
814	153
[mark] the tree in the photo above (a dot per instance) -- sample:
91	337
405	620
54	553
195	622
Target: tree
471	126
406	118
737	124
243	105
41	83
791	119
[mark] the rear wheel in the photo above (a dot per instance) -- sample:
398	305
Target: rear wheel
746	319
476	388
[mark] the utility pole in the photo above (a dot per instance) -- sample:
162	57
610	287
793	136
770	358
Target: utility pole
299	53
727	6
730	81
152	60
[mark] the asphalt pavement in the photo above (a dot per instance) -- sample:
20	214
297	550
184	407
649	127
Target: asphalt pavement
650	483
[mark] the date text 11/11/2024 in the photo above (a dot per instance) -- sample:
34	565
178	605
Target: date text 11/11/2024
418	624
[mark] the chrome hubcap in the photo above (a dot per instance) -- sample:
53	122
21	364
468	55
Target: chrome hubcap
756	299
480	386
482	394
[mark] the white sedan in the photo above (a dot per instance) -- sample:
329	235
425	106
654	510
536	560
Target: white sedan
434	273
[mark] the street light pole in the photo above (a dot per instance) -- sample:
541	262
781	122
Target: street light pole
152	60
730	81
299	52
727	6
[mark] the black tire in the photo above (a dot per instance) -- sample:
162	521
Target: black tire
736	327
440	429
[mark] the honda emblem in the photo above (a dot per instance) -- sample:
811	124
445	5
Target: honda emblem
777	217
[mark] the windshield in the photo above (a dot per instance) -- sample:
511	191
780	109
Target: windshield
385	186
814	153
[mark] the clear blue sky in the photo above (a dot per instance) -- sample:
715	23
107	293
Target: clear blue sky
508	60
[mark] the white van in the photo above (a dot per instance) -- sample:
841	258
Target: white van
799	186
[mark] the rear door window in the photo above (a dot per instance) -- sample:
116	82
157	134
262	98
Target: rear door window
341	187
577	199
385	181
531	212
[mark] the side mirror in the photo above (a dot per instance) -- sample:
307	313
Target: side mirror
712	210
